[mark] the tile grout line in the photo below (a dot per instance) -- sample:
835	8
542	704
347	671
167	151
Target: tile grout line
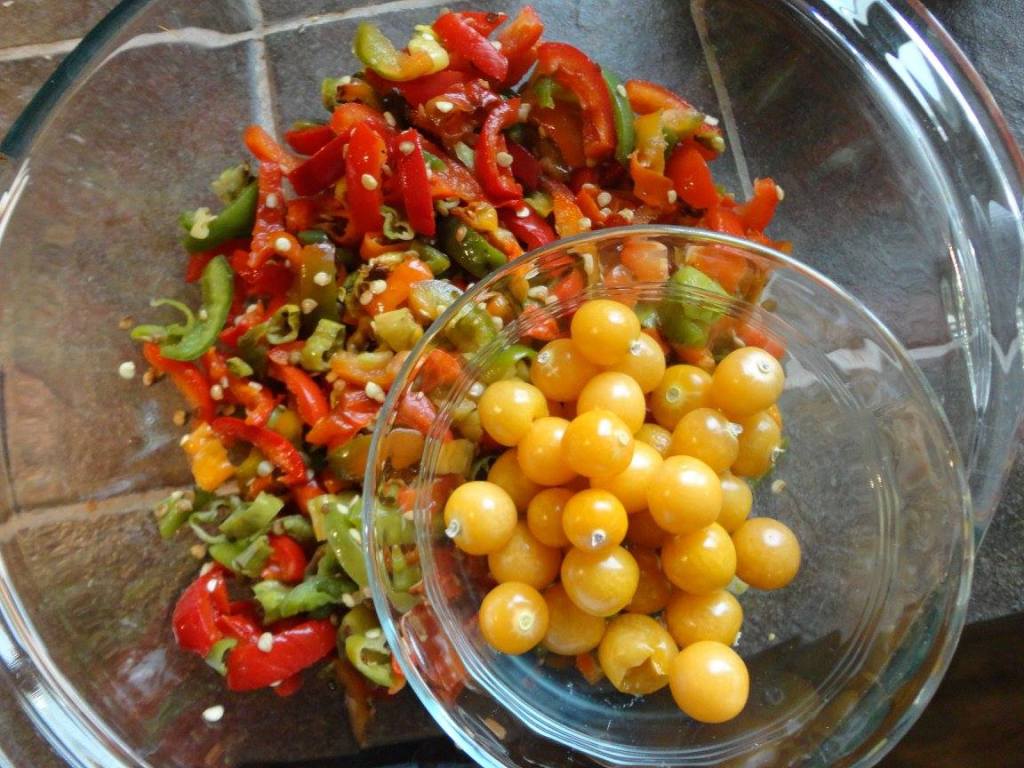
259	72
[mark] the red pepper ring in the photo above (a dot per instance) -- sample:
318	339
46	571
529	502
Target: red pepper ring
572	69
273	446
494	172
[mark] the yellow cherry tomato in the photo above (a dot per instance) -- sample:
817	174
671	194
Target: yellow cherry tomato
513	618
540	452
630	485
706	434
759	445
544	516
684	494
507	474
645	531
701	561
603	330
767	553
525	559
692	618
653	589
615	392
508	408
746	381
570	630
681	389
560	371
636	654
645	363
737	499
656	436
709	682
594	520
597	443
600	583
479	517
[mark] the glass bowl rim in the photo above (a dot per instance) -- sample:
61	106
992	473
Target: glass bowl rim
437	709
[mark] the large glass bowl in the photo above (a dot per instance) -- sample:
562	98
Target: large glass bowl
902	184
841	661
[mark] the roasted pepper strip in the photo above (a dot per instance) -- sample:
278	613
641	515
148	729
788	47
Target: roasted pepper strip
496	177
217	285
468	248
291	651
190	381
412	178
573	70
234	221
460	37
363	175
273	446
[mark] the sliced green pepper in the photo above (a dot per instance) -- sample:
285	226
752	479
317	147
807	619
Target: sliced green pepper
215	658
471	330
433	258
347	462
468	248
687	322
404	575
246	557
466	155
318	286
372	47
398	329
318	348
345	541
544	92
358	621
370	655
298	528
313	593
231	183
234	220
504	364
175	513
191	340
541	202
239	367
252	518
623	112
434	162
395	227
313	237
282	326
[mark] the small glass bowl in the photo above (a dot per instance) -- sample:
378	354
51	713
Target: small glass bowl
840	661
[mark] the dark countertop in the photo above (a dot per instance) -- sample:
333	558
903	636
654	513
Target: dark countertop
34	36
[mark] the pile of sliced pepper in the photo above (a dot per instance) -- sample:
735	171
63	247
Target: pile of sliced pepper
439	162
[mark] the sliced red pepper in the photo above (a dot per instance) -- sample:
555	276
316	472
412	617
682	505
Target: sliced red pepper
650	186
483	22
195	615
322	169
259	402
301	214
412	178
416	411
563	124
422	89
241	622
399	286
531	229
537	326
306	141
367	154
459	36
266	150
287	561
289	687
292	651
273	446
568	215
354	413
525	166
310	401
497	180
346	117
691	177
190	381
572	69
269	213
303	494
438	369
519	43
570	286
722	219
757	212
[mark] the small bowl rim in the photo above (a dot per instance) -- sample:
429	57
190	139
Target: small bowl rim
437	708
